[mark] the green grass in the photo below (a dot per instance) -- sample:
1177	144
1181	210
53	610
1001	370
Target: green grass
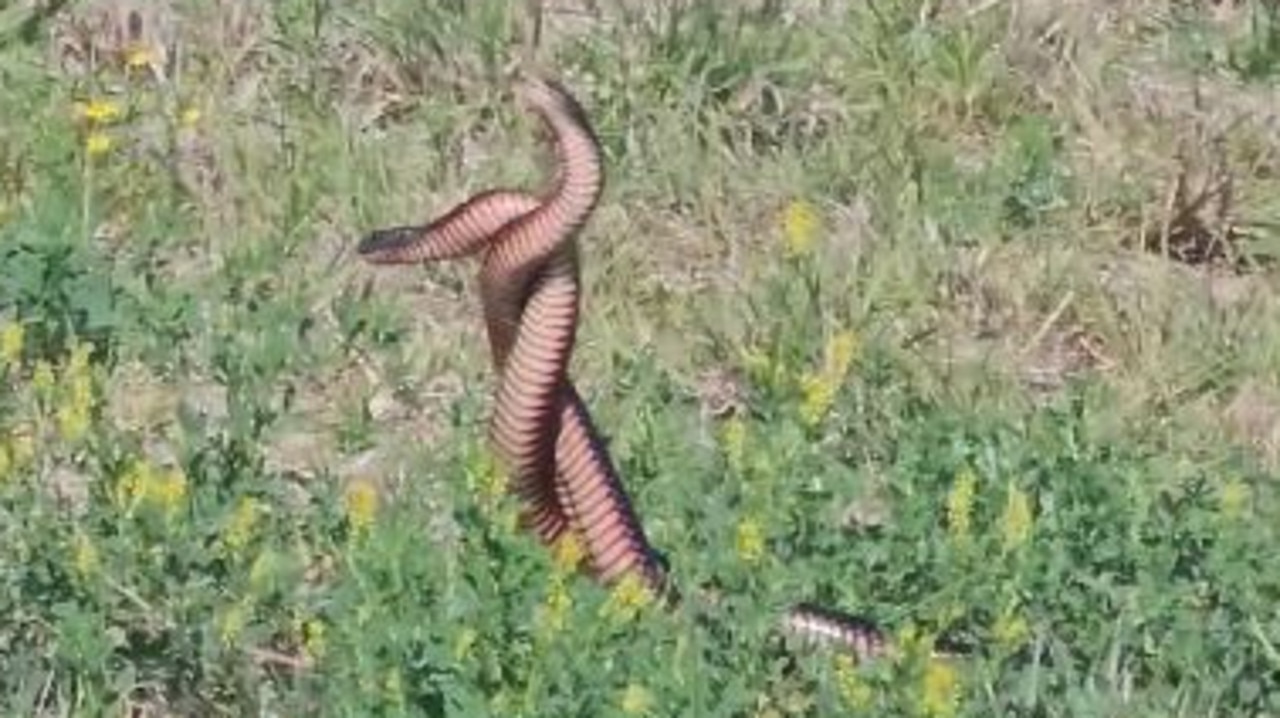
244	474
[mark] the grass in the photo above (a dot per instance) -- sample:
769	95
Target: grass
961	316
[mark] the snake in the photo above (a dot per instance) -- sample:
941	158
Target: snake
542	432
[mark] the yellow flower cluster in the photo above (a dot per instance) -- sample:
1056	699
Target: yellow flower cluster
1010	630
1016	523
231	621
242	524
749	540
940	689
97	144
960	504
361	504
800	227
819	388
552	614
17	451
1233	498
73	414
84	556
73	409
636	700
568	553
189	117
733	440
72	398
465	641
138	56
12	341
840	353
314	638
627	599
764	369
485	478
43	380
97	115
853	690
144	484
99	112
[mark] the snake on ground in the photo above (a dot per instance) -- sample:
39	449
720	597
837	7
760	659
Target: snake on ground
540	427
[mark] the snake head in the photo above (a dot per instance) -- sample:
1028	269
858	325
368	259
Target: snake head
392	245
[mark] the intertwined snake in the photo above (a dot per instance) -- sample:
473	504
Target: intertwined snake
540	428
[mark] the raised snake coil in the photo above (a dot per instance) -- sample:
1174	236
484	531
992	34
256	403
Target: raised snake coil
540	428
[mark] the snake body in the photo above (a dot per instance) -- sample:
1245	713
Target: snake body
540	427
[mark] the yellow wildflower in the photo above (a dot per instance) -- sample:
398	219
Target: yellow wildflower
1010	630
487	478
361	503
141	482
79	373
818	393
636	700
314	642
132	484
819	389
763	369
911	642
626	600
22	446
169	491
940	690
189	117
241	526
42	379
960	504
12	337
73	422
508	520
800	225
853	690
231	622
840	351
97	144
734	439
1016	523
749	540
1233	498
79	355
138	55
73	414
552	614
465	642
568	553
84	556
100	112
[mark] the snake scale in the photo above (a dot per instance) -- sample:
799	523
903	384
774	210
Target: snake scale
540	427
